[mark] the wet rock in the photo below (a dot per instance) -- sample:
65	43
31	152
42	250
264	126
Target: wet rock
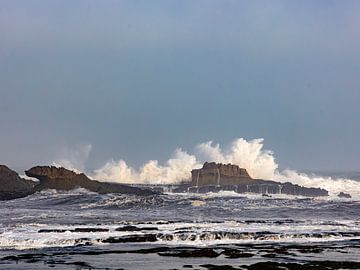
219	174
130	228
165	237
52	231
132	239
90	230
82	230
12	186
344	195
191	253
316	265
215	177
218	267
234	254
63	179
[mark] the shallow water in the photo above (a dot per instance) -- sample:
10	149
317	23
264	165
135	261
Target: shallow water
78	229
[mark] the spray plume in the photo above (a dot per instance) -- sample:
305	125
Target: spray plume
260	163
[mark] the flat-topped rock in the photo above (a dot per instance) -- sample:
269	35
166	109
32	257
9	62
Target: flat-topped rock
344	195
219	174
214	177
51	177
12	186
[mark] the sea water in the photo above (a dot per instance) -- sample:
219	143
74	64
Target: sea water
84	230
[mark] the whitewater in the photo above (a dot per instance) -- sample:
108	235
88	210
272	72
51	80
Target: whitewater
79	229
250	154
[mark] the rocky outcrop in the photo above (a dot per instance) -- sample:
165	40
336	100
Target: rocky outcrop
214	177
51	177
12	186
344	195
219	174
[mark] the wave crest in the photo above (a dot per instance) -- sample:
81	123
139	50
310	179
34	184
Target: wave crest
259	162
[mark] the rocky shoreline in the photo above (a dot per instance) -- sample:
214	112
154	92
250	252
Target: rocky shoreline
245	257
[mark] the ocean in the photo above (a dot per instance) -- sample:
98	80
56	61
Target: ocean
83	230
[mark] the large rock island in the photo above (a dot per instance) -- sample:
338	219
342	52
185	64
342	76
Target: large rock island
216	176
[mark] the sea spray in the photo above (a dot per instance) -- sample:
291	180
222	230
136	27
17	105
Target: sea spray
175	170
259	162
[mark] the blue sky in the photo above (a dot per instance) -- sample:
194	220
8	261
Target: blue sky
136	79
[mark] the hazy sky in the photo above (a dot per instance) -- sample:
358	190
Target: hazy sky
136	79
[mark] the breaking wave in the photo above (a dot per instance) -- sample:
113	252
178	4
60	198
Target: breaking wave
259	162
174	233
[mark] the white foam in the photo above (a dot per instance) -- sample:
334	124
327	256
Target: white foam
259	162
192	233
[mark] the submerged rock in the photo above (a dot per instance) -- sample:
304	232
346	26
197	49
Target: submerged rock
12	186
191	253
51	177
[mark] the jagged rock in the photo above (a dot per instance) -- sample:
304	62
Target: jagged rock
63	179
12	186
213	177
344	195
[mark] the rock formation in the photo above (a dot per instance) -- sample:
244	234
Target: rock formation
344	195
12	186
63	179
214	177
219	174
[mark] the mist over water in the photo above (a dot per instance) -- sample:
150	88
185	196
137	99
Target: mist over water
249	154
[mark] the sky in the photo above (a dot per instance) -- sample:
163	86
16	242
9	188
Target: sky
134	80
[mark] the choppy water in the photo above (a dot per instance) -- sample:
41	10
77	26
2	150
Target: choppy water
79	229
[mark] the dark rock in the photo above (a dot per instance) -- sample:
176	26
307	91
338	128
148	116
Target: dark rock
90	230
12	186
215	177
52	231
234	254
130	228
218	267
63	179
189	253
344	195
219	174
316	265
131	239
73	230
